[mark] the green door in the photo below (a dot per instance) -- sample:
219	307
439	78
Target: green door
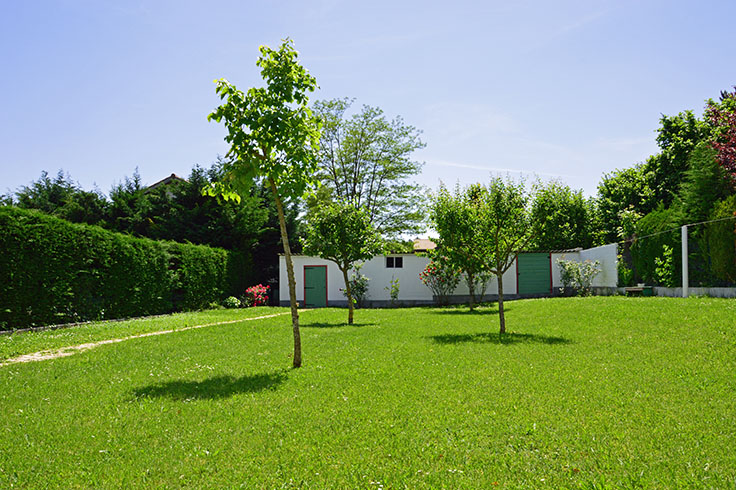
534	274
315	286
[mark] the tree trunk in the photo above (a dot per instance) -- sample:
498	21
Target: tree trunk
349	294
290	273
501	318
469	277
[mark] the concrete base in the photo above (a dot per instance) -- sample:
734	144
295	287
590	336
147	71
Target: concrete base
677	292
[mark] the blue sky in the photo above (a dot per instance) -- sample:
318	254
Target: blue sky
564	89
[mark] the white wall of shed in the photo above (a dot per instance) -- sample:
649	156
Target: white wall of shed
411	287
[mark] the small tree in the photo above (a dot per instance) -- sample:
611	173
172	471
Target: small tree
273	136
343	234
503	228
455	220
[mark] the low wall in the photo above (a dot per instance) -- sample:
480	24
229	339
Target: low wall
677	292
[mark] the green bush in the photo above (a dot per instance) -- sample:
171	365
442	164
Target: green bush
53	271
231	302
646	249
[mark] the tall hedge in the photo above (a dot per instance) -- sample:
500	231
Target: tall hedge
53	271
721	237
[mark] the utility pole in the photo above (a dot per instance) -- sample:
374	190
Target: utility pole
685	284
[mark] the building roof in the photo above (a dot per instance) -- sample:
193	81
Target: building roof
424	245
171	178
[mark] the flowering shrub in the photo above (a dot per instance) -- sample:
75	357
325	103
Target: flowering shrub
231	302
441	279
578	276
256	295
358	286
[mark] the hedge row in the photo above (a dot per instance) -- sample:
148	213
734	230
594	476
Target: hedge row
53	271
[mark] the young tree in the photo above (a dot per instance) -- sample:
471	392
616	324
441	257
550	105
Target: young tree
503	228
365	160
343	234
274	136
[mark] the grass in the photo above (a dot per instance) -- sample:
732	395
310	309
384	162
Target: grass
583	393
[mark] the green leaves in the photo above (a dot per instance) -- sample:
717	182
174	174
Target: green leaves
271	130
341	233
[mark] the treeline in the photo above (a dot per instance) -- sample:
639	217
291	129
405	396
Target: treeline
176	211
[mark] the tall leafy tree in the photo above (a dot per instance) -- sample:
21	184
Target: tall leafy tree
343	234
366	160
627	189
561	217
722	116
273	135
677	137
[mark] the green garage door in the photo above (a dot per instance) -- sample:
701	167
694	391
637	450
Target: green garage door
315	286
534	273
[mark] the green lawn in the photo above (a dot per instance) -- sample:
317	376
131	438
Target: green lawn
584	393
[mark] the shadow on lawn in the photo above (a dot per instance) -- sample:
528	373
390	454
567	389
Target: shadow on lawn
466	311
334	325
495	338
212	388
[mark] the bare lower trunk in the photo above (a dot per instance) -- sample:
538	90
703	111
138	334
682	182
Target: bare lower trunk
501	318
290	273
471	289
349	294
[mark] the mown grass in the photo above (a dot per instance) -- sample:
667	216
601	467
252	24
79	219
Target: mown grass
16	344
583	393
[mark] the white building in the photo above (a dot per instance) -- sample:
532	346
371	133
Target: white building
532	275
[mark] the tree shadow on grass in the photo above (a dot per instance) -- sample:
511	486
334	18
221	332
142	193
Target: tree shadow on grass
334	325
496	338
212	388
485	310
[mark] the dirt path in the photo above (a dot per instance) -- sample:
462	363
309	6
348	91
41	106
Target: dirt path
45	355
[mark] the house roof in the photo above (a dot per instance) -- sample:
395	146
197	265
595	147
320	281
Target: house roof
171	178
424	244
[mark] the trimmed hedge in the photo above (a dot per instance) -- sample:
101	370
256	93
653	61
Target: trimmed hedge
54	271
721	238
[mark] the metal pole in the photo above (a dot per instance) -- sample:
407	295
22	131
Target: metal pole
684	263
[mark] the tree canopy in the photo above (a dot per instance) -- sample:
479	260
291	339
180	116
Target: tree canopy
366	160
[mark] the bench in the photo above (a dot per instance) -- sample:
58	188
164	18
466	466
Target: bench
639	291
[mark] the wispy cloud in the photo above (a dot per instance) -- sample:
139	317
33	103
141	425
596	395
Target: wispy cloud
473	166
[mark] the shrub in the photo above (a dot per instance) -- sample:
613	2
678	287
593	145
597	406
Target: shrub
441	278
578	276
358	286
393	290
231	302
256	295
664	268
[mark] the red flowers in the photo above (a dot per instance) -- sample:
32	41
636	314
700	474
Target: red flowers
256	295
